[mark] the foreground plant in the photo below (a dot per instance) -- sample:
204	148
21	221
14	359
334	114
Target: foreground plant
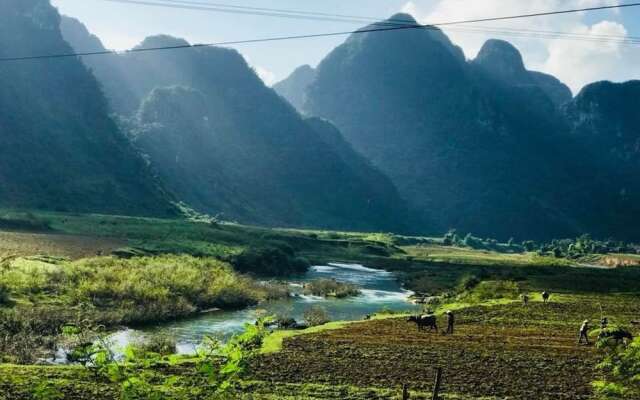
142	372
622	371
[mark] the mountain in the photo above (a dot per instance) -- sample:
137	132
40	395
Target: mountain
107	66
295	86
504	62
226	144
605	119
482	146
59	149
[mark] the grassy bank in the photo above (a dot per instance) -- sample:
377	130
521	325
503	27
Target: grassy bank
42	294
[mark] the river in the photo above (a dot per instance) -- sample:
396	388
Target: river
379	290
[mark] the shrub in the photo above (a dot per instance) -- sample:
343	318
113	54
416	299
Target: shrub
331	288
161	344
488	290
5	294
622	368
467	283
269	261
316	315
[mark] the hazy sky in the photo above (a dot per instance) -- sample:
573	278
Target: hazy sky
121	26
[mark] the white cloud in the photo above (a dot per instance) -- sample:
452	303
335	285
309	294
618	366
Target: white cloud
575	62
268	77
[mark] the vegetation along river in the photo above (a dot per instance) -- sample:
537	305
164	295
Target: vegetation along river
379	290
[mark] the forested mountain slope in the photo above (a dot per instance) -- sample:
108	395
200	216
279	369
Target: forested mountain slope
59	149
226	143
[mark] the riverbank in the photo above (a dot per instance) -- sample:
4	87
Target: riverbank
513	344
41	295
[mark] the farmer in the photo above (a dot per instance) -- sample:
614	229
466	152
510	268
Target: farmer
450	322
604	323
525	299
545	297
584	329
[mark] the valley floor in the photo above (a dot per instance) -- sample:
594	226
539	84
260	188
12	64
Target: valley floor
501	349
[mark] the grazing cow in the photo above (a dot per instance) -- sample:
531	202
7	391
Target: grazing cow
424	321
545	297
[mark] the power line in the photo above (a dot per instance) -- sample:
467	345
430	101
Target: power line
295	14
344	17
309	36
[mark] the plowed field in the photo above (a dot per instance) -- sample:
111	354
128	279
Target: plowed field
507	351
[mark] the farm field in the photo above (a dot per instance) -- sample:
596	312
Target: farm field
502	351
60	267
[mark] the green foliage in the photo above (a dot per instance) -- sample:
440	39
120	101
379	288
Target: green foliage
47	390
621	368
270	261
110	291
316	315
468	282
29	334
5	294
158	343
584	246
488	290
222	365
331	288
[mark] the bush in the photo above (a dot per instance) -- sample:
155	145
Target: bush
331	288
622	368
161	344
316	315
488	290
270	261
467	283
5	294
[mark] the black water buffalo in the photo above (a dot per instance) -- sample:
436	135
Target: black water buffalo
424	321
617	335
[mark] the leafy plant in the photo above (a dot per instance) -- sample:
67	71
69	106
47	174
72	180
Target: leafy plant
223	364
621	367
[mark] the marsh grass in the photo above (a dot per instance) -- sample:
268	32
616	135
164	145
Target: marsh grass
112	292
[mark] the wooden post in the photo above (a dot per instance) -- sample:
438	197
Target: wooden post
405	392
436	388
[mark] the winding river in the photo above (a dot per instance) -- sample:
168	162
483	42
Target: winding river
380	290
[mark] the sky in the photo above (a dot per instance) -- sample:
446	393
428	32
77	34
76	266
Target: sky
575	62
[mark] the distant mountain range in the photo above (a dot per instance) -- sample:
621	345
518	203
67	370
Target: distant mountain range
482	146
392	131
226	144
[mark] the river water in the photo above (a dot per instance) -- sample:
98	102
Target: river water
380	290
